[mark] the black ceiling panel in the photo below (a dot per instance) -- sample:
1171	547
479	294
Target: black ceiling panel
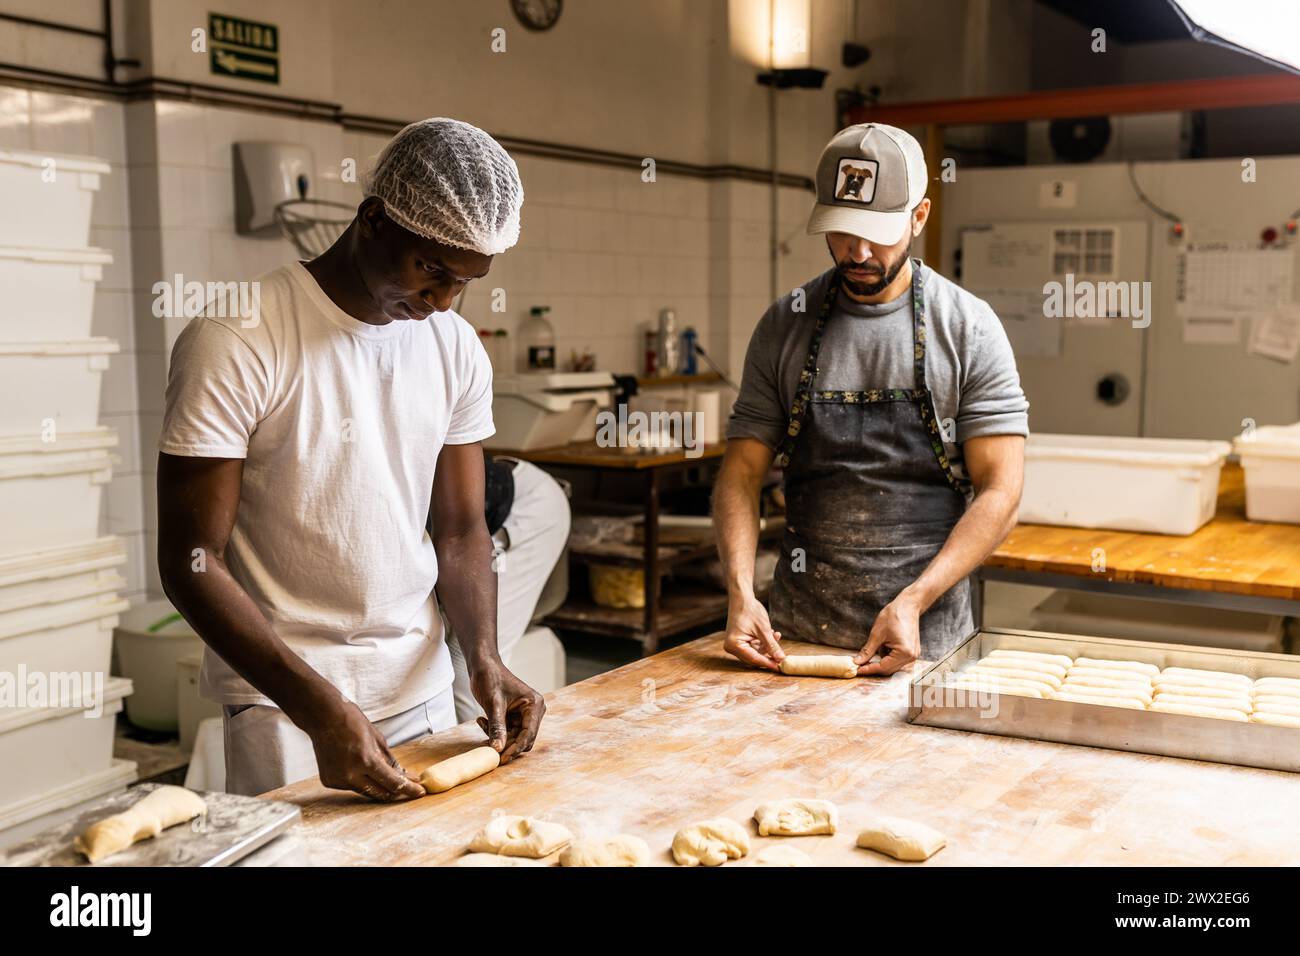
1129	21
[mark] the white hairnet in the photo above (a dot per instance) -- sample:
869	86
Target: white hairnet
450	182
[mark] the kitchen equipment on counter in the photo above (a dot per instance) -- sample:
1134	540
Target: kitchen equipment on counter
545	409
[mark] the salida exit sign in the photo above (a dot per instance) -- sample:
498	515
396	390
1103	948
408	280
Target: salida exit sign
243	48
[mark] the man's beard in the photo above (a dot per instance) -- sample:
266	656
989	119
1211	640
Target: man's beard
869	287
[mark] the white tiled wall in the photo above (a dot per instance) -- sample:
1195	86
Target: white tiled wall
603	248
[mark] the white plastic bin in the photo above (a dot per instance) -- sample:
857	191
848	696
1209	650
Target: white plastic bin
192	709
76	639
1270	458
151	640
1155	485
51	575
30	816
47	198
1139	619
48	747
50	293
50	492
51	380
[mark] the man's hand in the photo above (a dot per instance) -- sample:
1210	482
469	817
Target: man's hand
514	710
750	637
896	636
352	754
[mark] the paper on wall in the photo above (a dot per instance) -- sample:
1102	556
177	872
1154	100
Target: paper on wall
1029	330
1210	325
1235	275
1276	334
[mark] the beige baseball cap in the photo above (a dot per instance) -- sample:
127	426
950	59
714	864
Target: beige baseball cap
869	180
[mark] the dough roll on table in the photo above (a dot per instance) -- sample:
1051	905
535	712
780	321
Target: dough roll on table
819	665
163	808
459	769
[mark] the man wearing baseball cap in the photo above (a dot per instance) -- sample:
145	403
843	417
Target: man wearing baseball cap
890	395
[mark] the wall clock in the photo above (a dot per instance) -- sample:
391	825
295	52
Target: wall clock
537	14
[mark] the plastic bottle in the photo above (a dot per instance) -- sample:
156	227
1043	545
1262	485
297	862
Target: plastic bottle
537	342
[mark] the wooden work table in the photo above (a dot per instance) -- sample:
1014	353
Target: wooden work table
690	733
1229	562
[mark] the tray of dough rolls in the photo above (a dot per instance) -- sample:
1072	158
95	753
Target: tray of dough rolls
1172	700
230	827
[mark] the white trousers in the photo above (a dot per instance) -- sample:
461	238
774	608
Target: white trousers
265	750
536	531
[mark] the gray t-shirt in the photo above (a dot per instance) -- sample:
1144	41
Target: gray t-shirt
969	365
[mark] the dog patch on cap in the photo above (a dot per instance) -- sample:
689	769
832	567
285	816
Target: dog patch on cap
855	180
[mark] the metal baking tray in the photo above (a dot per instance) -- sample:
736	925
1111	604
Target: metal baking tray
233	827
1114	728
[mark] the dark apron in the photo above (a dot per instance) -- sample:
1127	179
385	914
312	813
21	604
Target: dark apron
870	500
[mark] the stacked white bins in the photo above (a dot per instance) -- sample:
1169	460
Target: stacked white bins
1155	485
1270	458
58	580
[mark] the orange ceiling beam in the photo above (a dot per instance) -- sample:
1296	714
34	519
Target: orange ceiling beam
1265	89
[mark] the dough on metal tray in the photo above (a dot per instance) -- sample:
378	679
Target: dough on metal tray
710	843
794	817
145	819
1016	673
1133	667
1032	656
1050	668
1193	710
1241	703
1277	720
1225	677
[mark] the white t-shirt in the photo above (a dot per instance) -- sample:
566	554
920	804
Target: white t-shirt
340	424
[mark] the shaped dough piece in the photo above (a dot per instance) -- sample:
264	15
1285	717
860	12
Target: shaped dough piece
1016	673
492	859
1006	685
710	843
1290	685
1277	720
459	769
1193	710
1217	677
164	807
781	854
1133	692
902	839
1132	667
1277	705
1022	665
1130	703
621	850
1241	704
1200	690
971	686
792	817
819	665
520	836
1042	681
1087	678
1061	659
